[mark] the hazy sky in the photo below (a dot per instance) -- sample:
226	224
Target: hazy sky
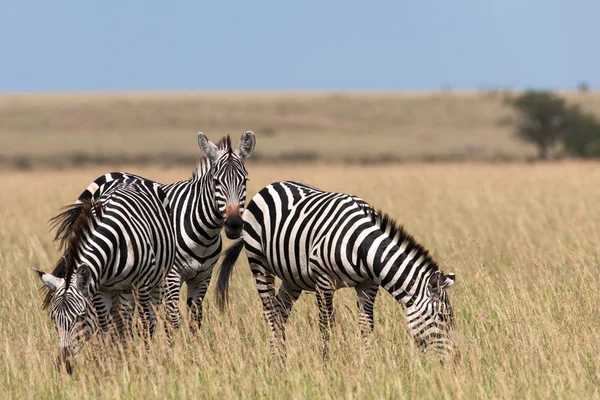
220	45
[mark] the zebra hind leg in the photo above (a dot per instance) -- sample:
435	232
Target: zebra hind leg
173	286
265	284
366	299
196	291
284	302
325	303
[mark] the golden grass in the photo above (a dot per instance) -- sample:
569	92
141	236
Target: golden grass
327	125
522	239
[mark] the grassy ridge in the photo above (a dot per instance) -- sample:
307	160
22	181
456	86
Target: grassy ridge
522	239
62	129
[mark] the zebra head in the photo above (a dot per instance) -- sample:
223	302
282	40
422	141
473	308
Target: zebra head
431	319
71	310
229	178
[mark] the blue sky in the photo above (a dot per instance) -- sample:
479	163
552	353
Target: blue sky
323	45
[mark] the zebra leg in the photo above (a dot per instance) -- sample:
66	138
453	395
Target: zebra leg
149	302
196	291
103	305
122	316
265	284
366	298
284	302
173	283
325	303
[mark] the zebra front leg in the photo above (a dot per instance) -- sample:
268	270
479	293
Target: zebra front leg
325	303
103	304
366	298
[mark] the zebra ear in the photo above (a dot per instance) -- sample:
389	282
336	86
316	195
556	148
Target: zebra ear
247	144
208	148
52	282
84	275
435	283
448	281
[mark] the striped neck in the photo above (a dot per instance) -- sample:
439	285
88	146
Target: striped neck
397	261
202	183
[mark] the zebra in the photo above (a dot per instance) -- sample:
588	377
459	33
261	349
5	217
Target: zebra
118	242
321	241
213	198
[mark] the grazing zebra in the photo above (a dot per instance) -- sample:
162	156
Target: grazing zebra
214	197
322	241
120	241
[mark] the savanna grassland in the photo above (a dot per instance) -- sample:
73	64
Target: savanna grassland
522	239
65	130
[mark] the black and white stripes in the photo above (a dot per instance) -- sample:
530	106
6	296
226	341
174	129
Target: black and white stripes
116	242
322	241
213	198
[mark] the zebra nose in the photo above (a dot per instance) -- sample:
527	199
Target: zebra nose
233	226
64	360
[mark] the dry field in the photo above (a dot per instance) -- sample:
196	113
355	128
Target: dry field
522	239
66	129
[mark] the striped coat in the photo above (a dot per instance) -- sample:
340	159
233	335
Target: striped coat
321	241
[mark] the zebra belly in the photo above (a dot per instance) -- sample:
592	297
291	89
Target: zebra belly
295	273
343	275
305	276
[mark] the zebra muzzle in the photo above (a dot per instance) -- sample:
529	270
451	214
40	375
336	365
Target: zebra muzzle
233	222
65	361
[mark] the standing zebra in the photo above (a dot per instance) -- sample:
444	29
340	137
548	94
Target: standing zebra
214	197
120	241
322	241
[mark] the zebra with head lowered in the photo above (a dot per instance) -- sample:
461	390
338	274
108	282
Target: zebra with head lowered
117	242
322	241
213	198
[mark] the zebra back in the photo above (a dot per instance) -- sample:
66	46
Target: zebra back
66	222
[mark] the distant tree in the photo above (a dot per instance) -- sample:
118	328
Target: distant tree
582	136
583	87
542	119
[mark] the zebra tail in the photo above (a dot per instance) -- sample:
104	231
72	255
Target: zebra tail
231	256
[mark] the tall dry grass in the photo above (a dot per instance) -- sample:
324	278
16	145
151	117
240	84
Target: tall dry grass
522	239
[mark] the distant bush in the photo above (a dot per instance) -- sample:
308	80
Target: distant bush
583	87
545	119
582	138
542	119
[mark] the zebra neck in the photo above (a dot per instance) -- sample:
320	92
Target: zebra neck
402	269
206	203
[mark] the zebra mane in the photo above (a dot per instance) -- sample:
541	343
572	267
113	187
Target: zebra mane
203	163
70	224
399	235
